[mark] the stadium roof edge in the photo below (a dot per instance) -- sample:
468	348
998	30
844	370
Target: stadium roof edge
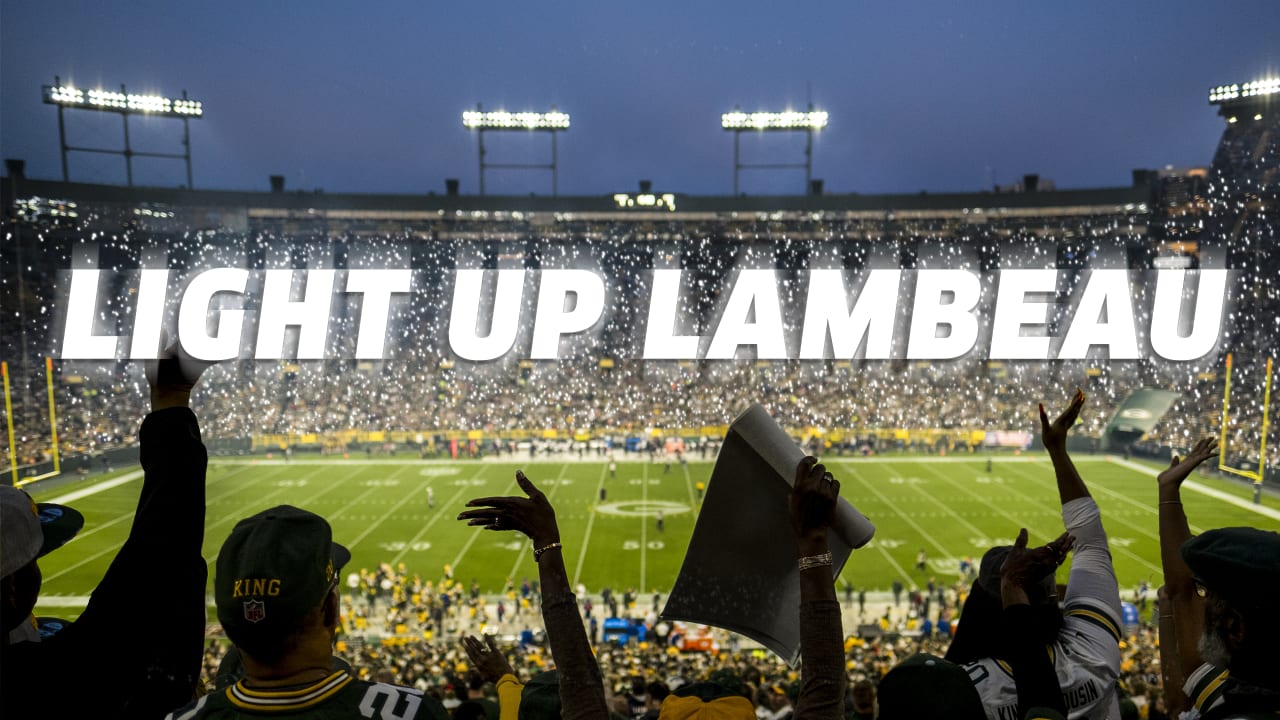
322	201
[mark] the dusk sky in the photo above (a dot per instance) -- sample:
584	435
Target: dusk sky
367	97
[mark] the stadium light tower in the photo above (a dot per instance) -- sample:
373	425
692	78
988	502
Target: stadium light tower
807	122
1249	99
549	122
70	97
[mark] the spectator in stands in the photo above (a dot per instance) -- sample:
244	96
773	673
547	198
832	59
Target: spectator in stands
862	701
1181	609
1084	633
1237	572
276	588
146	617
581	684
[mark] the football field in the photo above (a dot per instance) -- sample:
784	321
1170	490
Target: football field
948	507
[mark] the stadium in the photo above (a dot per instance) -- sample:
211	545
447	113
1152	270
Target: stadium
945	457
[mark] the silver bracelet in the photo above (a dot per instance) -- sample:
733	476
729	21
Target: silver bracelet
813	561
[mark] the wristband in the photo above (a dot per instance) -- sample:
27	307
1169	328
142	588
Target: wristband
813	561
537	552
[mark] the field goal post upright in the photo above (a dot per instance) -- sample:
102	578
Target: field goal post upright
1258	475
53	427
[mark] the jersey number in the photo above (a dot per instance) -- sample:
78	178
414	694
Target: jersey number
396	703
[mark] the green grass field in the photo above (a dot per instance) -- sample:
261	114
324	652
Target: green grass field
950	507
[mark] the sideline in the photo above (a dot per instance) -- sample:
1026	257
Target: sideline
95	489
1204	490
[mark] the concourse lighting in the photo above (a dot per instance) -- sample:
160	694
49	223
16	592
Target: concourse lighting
789	120
503	120
1257	88
114	101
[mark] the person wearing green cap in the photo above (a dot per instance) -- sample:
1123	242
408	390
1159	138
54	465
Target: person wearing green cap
276	589
149	607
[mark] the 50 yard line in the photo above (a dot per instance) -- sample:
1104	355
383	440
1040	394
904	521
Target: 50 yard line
644	523
586	536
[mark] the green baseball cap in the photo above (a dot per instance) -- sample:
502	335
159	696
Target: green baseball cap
274	568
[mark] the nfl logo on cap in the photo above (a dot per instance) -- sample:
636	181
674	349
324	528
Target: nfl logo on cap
255	611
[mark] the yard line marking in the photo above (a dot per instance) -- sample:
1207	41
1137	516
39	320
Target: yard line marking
1021	524
1116	548
413	492
1091	485
1136	503
97	488
688	483
525	543
1203	490
129	515
858	476
114	548
944	506
310	499
457	561
586	536
464	487
644	522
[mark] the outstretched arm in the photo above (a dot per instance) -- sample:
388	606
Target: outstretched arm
1093	578
1054	435
813	504
1185	607
167	532
581	684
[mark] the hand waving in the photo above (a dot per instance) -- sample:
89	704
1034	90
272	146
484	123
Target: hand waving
486	658
1054	434
1180	468
532	515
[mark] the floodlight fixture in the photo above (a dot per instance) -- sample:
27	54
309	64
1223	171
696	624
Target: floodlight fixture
551	122
789	120
69	97
806	121
1257	88
503	120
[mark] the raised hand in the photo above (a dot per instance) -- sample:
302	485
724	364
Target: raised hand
486	658
532	515
174	375
1054	434
813	499
1025	566
1180	468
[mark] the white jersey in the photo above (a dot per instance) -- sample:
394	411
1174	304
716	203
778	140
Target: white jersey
1086	655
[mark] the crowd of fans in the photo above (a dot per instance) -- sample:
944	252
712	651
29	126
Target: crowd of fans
611	404
297	628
